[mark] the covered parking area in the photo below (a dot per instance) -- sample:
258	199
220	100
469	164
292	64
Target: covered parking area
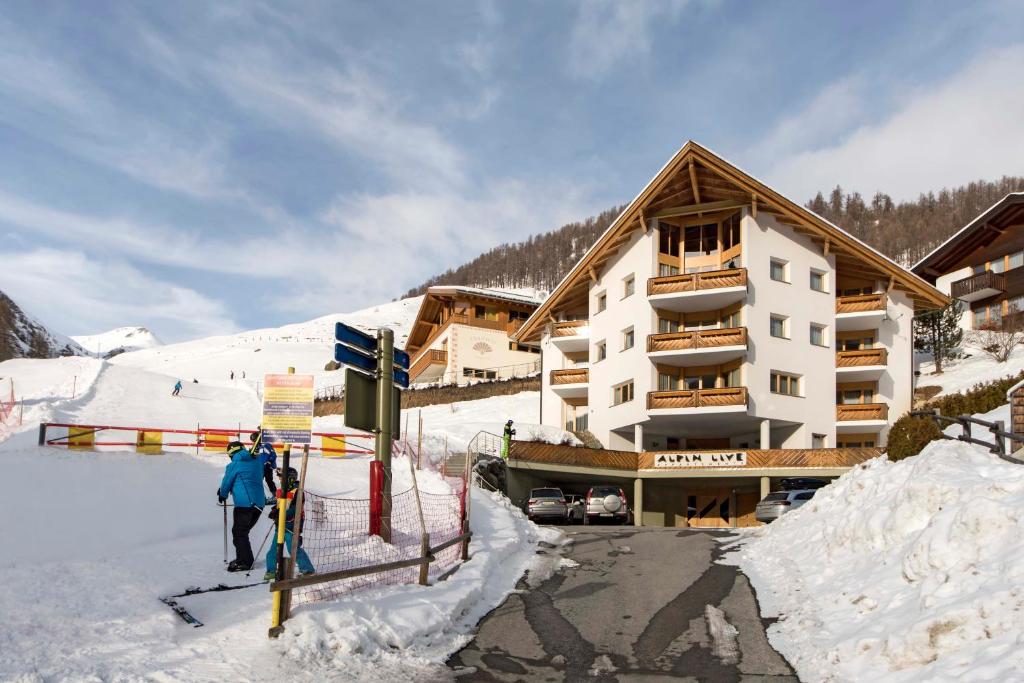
709	489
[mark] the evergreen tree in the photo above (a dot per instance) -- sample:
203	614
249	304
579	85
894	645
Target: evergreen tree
939	333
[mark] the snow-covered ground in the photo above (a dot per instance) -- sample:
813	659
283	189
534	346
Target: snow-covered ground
906	571
127	338
962	374
95	538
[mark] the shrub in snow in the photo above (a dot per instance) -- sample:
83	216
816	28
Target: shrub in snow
909	435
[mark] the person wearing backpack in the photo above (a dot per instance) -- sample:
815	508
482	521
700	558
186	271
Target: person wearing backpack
290	481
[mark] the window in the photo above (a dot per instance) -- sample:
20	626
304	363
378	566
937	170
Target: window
731	378
783	383
856	343
602	301
479	374
666	326
601	351
622	393
731	231
513	346
998	265
668	239
804	496
856	441
818	335
1016	260
700	240
628	286
706	324
518	315
780	270
699	381
851	396
779	325
665	270
818	441
818	281
731	319
486	313
627	339
666	382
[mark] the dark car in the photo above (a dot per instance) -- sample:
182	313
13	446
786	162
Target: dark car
548	504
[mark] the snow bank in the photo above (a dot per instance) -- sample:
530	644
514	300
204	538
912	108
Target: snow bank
125	338
907	571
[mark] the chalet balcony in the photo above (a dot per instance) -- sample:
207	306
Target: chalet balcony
571	335
855	417
980	286
698	291
702	401
429	366
860	311
697	347
861	365
570	382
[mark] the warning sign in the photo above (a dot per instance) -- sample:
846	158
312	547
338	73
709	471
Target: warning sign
288	409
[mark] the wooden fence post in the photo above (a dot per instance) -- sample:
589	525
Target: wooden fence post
425	554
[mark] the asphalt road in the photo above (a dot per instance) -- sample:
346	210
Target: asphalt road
643	604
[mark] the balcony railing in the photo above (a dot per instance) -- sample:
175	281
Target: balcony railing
697	339
979	286
431	357
860	303
570	376
569	328
693	282
861	357
697	398
862	411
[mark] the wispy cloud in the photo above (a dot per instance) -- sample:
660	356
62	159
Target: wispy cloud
607	32
966	127
86	295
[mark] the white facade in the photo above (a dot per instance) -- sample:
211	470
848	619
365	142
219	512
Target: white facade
767	419
479	353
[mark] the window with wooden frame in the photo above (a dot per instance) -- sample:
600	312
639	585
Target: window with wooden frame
779	270
855	393
856	440
784	383
731	237
700	377
666	270
668	239
622	393
628	286
667	381
731	317
667	326
628	338
858	340
485	312
779	326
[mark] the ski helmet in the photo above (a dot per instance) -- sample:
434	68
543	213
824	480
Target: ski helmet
255	435
233	447
289	481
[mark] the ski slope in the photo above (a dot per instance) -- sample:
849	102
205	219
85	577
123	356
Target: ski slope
964	373
127	338
99	536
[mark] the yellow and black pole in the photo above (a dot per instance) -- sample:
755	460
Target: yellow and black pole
277	615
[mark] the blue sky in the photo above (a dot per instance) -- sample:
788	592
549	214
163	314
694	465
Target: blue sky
200	168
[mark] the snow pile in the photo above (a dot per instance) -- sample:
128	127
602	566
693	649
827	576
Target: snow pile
907	571
962	374
119	340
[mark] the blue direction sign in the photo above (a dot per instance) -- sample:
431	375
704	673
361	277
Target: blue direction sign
346	334
348	356
401	359
402	378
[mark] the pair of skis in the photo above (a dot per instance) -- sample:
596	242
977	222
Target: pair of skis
172	602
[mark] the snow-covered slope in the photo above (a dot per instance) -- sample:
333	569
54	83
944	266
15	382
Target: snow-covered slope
22	336
118	341
906	571
962	374
307	347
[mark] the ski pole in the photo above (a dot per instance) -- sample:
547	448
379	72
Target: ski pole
260	551
225	508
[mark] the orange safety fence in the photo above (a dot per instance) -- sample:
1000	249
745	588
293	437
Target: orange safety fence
153	440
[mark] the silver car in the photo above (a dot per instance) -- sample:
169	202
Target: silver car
547	504
779	503
606	502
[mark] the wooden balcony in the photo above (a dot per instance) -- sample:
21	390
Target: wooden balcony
861	358
861	303
570	328
570	376
697	339
695	282
697	398
862	411
432	357
980	286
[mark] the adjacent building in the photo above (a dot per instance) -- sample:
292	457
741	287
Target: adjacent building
982	265
462	335
715	313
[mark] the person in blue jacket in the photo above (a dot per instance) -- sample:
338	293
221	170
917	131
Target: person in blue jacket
268	458
243	482
291	481
177	388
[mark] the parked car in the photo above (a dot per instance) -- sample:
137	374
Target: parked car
776	504
575	503
606	502
547	503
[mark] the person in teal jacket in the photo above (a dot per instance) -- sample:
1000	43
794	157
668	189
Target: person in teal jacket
243	481
291	481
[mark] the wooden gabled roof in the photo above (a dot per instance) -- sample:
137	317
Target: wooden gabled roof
439	295
978	234
697	181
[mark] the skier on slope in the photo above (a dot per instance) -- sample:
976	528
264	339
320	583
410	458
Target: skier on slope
242	482
268	458
290	480
177	388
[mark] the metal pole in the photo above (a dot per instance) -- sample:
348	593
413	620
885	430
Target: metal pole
385	391
277	615
296	527
225	508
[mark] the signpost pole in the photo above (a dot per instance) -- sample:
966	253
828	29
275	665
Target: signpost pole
385	398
